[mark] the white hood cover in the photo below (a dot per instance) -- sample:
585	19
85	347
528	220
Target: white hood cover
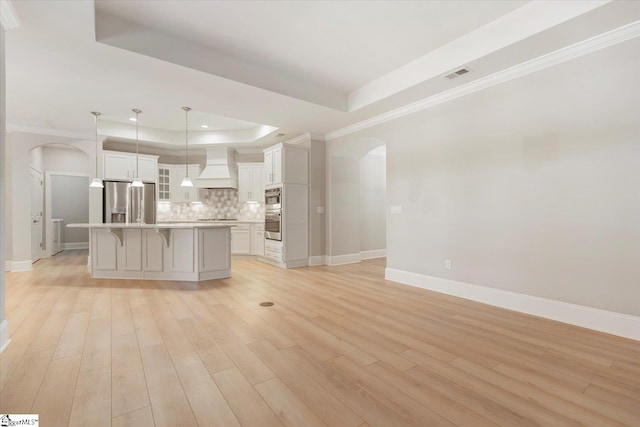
220	170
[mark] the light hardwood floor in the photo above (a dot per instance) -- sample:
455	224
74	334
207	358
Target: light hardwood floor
340	347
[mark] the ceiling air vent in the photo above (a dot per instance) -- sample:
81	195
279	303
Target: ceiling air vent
458	73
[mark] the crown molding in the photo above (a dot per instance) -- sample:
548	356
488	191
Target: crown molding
11	127
303	139
559	56
8	17
317	136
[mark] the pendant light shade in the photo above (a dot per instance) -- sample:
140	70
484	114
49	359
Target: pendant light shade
97	182
186	181
137	182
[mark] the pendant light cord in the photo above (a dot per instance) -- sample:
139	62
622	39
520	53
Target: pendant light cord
186	133
95	116
137	111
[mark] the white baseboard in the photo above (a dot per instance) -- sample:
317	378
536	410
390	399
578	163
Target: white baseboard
344	259
610	322
317	260
75	245
4	335
7	265
355	257
375	253
21	265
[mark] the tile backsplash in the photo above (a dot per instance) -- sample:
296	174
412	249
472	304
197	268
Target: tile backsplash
216	203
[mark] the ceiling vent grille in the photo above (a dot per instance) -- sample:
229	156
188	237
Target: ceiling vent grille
458	73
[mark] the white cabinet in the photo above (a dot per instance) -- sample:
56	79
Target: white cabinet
273	250
178	193
241	239
161	253
286	164
273	166
257	232
250	182
164	183
123	166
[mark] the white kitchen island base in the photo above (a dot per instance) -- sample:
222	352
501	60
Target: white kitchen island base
189	252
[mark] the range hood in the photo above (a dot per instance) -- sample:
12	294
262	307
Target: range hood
220	171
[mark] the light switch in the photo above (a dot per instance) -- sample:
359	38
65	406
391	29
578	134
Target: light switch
396	209
320	209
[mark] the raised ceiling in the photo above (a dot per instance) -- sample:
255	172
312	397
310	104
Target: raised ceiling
251	70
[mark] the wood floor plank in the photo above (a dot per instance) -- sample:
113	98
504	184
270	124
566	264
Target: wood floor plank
207	402
128	379
139	418
248	406
324	404
92	399
55	397
291	411
26	380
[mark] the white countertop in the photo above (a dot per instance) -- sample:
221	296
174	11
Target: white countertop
233	221
152	226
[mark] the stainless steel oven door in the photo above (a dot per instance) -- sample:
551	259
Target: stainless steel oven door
273	225
273	199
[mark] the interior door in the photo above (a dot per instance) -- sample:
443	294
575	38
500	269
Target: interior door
37	195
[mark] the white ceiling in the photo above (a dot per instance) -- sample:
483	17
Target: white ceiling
252	69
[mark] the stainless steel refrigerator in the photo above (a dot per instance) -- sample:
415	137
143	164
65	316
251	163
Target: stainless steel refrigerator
124	203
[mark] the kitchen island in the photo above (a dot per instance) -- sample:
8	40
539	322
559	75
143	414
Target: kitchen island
170	251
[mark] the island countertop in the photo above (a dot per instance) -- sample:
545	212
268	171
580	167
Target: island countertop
100	225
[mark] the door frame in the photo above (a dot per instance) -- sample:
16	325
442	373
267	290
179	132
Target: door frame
41	253
47	208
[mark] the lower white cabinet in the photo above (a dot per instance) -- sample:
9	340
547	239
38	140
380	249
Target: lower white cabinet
247	239
163	253
273	250
258	242
241	239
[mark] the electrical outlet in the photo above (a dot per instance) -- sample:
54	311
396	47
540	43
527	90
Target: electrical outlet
396	209
320	209
447	264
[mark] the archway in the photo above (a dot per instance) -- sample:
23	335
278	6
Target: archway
351	195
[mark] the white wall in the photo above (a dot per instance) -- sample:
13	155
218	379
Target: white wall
529	191
4	328
70	202
65	159
373	205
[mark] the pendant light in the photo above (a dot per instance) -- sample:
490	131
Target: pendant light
137	182
97	182
186	181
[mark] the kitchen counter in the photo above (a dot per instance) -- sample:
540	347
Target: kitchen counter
224	222
164	251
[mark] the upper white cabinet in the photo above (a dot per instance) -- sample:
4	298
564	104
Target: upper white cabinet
250	182
123	166
164	183
178	193
286	164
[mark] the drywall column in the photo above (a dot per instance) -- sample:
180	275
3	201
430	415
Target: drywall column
4	326
317	200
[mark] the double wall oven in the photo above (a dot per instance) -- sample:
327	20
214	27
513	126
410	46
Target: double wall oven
273	214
